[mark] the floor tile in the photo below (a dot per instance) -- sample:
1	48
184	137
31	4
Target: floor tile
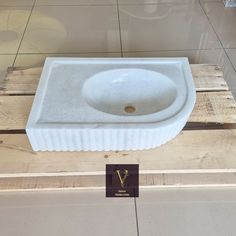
13	21
154	1
223	20
35	60
234	94
5	62
165	27
16	2
216	56
163	1
187	212
203	1
76	29
232	55
66	213
75	2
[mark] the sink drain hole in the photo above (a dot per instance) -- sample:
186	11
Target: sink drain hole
129	109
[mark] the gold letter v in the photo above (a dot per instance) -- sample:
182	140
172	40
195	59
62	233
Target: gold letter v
122	181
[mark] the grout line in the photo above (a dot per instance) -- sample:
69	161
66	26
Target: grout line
217	36
13	64
118	14
174	50
66	53
136	215
117	52
7	54
14	6
76	5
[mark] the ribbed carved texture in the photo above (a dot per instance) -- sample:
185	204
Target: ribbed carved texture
66	139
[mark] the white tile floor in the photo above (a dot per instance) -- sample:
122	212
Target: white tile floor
173	212
203	30
72	29
187	212
66	214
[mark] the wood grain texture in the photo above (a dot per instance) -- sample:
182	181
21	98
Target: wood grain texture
215	107
191	151
25	81
219	107
14	112
167	180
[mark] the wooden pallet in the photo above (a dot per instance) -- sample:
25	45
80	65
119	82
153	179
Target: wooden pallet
203	154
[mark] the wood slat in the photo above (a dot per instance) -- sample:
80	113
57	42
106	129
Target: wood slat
215	107
18	81
14	112
165	180
198	151
219	107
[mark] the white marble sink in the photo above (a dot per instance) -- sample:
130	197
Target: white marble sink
110	103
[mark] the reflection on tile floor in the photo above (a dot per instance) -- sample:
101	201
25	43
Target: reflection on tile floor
165	27
66	213
187	212
223	20
133	28
217	57
16	2
154	1
232	56
117	28
75	2
13	21
36	60
167	212
65	29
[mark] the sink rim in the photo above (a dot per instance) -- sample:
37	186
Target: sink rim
185	110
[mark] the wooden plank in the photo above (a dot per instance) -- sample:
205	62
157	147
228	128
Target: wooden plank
18	81
166	180
215	107
14	112
208	78
198	151
219	107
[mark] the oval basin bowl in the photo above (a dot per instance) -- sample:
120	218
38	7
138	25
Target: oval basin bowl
129	91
